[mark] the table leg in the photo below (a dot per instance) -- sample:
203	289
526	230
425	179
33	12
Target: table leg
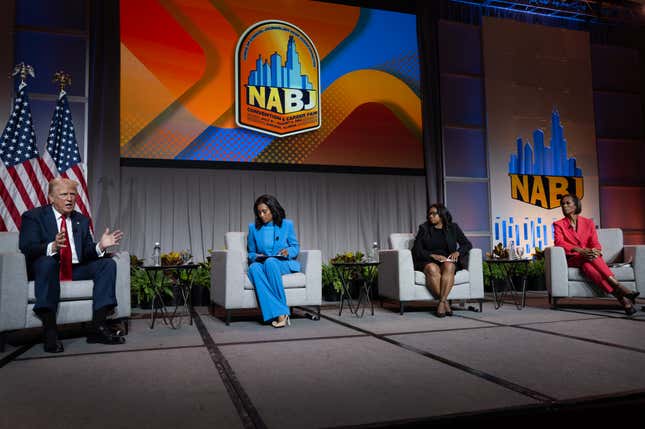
495	298
365	292
344	293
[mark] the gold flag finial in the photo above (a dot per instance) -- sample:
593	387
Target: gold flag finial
23	70
63	78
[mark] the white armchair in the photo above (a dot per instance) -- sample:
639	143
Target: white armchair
565	282
17	296
232	289
398	280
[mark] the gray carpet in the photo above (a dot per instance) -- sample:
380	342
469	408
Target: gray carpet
151	389
374	371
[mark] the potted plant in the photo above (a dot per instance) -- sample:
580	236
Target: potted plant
331	286
535	274
357	276
141	291
495	273
200	290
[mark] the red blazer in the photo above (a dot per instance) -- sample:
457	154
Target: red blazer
568	238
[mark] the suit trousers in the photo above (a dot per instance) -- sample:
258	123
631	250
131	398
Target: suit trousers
595	270
47	284
267	280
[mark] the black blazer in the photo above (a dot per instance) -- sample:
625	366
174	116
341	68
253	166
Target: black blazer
454	236
39	228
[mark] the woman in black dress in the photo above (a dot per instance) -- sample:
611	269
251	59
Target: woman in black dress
440	249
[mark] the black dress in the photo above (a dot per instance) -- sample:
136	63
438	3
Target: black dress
444	241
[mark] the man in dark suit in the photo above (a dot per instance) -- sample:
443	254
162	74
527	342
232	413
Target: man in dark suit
53	256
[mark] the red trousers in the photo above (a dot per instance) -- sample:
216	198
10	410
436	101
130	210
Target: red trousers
596	270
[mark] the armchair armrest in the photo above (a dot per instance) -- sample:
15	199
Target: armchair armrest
311	265
396	274
637	254
123	297
227	277
476	273
556	271
13	291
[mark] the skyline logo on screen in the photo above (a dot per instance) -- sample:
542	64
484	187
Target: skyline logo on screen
277	80
540	174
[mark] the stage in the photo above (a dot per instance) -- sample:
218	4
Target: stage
583	362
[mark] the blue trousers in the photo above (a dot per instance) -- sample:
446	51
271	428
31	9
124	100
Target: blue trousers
267	280
45	272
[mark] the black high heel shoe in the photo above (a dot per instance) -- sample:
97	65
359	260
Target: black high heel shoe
441	314
632	296
630	310
448	310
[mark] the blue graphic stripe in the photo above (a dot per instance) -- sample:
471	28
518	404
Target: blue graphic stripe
224	144
370	46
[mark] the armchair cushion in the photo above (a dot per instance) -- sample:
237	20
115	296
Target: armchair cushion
69	290
461	276
290	281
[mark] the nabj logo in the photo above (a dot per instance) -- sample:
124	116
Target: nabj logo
277	78
540	174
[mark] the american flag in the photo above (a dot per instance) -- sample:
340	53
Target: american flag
23	174
62	154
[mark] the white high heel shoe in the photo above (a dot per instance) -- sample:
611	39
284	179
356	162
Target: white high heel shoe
286	321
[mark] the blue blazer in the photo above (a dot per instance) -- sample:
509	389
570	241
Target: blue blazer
285	238
39	228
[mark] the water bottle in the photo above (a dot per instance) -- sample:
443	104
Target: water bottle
374	252
156	255
511	250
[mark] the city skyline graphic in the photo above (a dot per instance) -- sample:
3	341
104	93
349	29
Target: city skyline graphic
544	160
527	232
273	73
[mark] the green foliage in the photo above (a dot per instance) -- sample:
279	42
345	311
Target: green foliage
538	254
330	278
494	271
202	274
140	288
370	274
536	268
347	257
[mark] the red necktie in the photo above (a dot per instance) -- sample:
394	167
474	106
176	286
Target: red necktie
65	254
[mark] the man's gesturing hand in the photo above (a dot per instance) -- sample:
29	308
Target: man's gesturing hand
59	242
109	239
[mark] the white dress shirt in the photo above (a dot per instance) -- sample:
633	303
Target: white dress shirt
70	235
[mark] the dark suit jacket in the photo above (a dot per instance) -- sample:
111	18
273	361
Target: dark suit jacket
421	250
39	228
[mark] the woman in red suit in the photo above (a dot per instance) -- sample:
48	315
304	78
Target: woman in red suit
577	235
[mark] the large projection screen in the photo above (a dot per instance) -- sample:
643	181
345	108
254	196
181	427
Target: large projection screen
178	83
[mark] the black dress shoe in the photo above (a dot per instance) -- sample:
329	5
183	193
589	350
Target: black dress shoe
104	335
54	348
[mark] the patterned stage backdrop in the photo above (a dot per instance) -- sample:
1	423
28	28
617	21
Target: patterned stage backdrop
540	128
178	82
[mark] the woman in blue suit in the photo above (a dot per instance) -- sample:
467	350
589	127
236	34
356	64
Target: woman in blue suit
272	247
